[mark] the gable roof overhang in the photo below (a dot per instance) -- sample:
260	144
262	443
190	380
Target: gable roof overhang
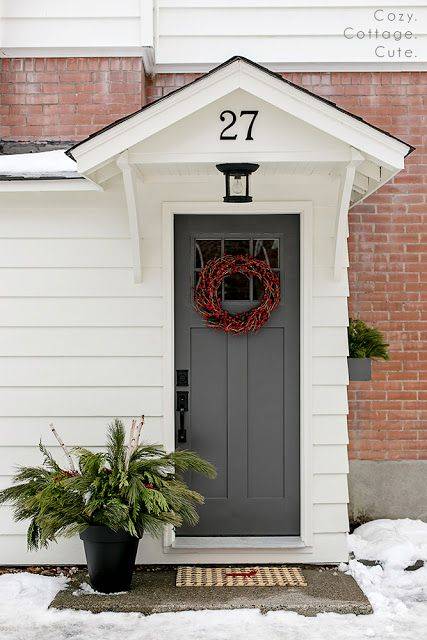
378	146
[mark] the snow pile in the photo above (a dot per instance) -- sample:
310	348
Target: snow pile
399	599
396	543
42	163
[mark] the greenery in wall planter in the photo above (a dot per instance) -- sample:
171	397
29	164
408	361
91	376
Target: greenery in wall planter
364	344
109	497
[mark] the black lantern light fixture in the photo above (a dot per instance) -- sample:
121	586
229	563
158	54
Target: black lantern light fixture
237	180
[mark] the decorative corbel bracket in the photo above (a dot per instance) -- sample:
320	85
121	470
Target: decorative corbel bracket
341	227
130	176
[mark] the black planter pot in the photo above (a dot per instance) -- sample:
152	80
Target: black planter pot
359	369
110	557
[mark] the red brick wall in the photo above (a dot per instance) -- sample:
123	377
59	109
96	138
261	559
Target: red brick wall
388	233
66	98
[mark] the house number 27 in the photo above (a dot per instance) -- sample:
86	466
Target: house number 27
230	118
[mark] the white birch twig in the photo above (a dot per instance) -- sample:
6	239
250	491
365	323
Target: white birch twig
130	445
63	447
138	431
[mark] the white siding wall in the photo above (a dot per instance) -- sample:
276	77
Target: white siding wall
282	33
117	28
81	343
196	34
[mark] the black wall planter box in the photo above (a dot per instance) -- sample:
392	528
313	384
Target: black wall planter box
359	369
110	558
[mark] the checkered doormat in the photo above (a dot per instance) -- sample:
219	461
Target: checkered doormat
240	577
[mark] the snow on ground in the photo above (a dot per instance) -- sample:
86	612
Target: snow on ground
55	162
398	543
399	600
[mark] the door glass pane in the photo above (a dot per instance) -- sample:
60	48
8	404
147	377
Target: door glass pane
205	250
236	248
236	287
267	250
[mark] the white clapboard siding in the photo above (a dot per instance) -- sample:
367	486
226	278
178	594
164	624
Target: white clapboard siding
330	312
93	283
81	341
13	457
5	481
296	49
61	222
80	372
330	400
325	284
330	429
87	431
324	250
76	253
325	220
77	9
71	252
82	401
330	488
328	518
332	371
15	552
330	341
77	35
47	312
330	459
8	526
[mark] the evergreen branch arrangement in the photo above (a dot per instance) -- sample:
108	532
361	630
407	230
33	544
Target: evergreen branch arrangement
366	342
132	488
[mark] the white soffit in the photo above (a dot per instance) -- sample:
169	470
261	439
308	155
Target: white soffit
239	73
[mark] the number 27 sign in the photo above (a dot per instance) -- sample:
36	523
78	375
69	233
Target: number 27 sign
230	118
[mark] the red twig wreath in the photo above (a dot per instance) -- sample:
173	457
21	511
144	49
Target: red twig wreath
207	298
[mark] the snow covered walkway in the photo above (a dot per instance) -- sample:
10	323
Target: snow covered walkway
399	599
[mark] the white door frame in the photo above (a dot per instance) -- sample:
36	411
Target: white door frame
305	210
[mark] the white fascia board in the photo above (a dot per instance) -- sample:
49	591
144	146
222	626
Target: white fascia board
240	75
78	184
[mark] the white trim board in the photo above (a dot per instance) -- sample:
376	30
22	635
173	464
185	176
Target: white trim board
305	210
299	67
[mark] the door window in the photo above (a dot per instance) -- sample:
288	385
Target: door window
238	286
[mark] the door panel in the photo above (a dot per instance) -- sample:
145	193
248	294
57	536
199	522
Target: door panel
243	390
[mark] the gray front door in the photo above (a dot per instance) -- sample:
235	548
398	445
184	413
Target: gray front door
243	391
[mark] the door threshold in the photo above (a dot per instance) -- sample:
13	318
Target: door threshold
237	542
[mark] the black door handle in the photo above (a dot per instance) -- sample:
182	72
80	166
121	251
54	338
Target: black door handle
182	432
182	407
